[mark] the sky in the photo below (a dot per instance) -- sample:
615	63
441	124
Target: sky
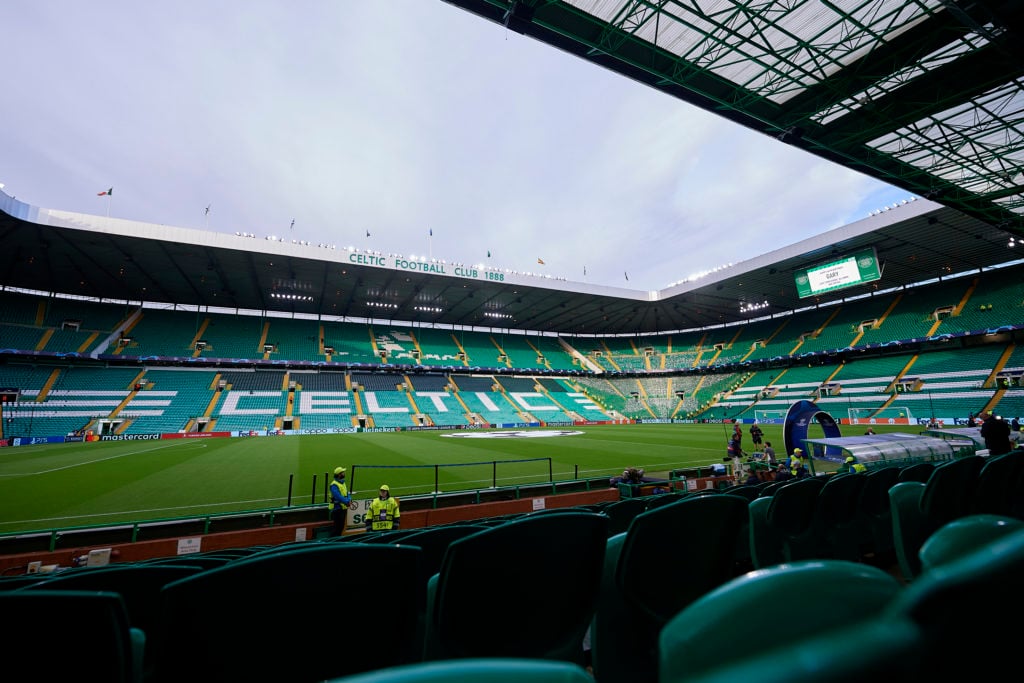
439	133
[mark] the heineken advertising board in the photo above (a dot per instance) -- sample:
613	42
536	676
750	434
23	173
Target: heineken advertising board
848	271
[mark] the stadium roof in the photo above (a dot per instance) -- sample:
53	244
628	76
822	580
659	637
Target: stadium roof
115	259
927	95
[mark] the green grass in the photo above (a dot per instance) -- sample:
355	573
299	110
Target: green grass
46	487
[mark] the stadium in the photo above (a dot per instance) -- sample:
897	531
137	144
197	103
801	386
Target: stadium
194	388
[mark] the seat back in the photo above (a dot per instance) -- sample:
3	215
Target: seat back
757	610
791	516
965	609
139	586
876	649
792	506
670	556
835	516
84	631
481	670
553	561
434	542
949	492
963	536
274	616
919	471
874	513
995	490
621	514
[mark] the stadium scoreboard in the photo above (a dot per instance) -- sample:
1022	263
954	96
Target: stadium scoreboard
848	271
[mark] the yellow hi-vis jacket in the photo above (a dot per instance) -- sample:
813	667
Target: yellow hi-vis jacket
383	513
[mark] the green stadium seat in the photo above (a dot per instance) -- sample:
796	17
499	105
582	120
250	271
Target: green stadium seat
621	513
482	670
876	649
963	536
791	516
60	634
269	617
919	471
835	516
918	509
139	586
552	562
755	613
873	519
966	610
997	489
670	556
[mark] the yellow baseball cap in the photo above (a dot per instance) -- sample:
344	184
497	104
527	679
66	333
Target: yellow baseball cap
339	470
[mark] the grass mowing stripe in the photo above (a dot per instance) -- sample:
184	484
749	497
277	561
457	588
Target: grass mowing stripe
126	483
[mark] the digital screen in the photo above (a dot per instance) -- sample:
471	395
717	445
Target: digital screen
847	271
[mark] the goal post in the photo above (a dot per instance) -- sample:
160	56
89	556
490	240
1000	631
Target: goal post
860	415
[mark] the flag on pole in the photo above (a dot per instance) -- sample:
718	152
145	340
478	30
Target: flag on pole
584	271
488	253
206	211
540	261
626	274
367	233
105	193
431	232
290	227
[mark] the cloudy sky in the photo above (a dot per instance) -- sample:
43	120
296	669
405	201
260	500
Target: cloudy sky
395	118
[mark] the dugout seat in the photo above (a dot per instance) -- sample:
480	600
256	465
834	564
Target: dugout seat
550	562
670	556
918	510
60	634
269	617
753	614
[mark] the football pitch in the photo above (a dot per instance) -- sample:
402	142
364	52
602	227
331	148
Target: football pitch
117	482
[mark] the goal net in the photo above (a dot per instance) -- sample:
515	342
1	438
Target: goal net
880	415
770	415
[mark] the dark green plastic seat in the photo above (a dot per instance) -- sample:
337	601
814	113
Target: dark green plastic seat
138	584
996	490
835	517
963	536
527	588
791	515
918	510
756	613
670	556
476	671
621	514
63	634
919	471
269	617
873	520
966	610
879	649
